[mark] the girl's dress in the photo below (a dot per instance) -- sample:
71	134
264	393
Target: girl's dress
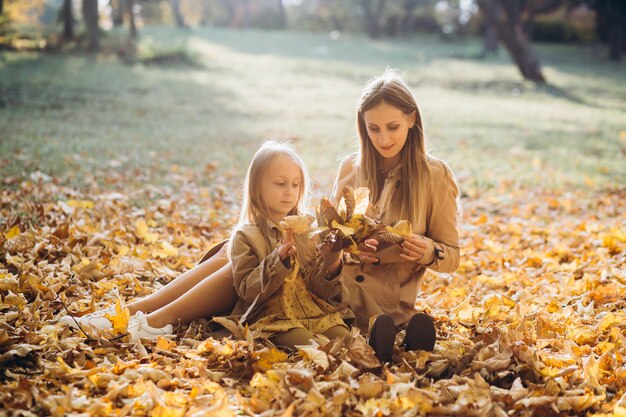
276	299
293	306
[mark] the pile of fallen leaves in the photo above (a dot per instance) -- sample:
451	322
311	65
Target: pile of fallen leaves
532	323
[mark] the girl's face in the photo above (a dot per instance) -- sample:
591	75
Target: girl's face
388	127
281	187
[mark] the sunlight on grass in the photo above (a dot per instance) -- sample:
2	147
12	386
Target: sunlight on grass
67	115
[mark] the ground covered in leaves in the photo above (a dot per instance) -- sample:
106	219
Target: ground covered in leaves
532	323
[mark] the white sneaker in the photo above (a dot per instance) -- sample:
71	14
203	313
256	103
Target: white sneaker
97	319
138	328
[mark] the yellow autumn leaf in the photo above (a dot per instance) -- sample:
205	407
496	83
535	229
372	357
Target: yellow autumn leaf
362	200
119	319
162	410
14	231
299	224
165	344
346	231
611	319
402	228
165	250
141	228
86	204
122	250
266	358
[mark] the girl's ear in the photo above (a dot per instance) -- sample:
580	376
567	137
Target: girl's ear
412	118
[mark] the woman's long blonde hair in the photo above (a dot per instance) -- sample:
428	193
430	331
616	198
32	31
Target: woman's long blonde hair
414	191
253	209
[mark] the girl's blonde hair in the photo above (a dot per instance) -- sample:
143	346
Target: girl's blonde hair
414	189
253	208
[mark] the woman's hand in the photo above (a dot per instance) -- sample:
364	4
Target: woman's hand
288	247
417	249
367	250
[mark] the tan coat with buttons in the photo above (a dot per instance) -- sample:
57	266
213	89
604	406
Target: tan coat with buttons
391	286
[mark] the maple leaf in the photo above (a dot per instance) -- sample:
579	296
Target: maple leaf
141	228
120	318
265	359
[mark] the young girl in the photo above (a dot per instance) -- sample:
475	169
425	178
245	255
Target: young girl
405	183
267	262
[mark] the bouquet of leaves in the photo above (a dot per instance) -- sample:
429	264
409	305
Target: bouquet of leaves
348	225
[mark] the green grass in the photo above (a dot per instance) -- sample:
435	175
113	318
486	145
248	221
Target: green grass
75	116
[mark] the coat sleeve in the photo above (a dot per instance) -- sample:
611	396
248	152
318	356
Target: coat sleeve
255	279
442	229
320	282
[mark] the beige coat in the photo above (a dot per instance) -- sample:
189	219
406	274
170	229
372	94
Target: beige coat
391	286
258	272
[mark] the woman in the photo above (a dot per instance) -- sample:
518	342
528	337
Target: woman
405	183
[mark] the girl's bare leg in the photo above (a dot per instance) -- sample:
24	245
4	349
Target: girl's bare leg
179	286
214	294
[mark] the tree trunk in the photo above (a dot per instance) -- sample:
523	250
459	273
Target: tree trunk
611	26
490	41
68	20
282	17
180	21
505	16
90	14
373	16
130	5
408	24
117	12
616	42
1	7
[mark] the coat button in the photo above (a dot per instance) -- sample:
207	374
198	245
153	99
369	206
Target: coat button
360	278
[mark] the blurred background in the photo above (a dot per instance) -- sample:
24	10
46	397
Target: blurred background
129	92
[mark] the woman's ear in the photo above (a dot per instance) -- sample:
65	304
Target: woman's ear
412	118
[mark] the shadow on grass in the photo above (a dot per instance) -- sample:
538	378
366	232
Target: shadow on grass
81	115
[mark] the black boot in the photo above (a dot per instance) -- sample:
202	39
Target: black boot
420	333
382	337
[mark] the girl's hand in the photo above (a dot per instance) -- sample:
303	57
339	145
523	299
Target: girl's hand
367	250
417	249
288	246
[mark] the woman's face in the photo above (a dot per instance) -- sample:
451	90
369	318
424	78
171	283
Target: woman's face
388	127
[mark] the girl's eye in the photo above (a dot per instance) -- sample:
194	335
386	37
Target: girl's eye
393	127
280	183
373	129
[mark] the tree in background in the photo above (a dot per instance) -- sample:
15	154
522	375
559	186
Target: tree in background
282	16
117	12
90	15
178	16
67	17
508	18
130	11
373	11
611	25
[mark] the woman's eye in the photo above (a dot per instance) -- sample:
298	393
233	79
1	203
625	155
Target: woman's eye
280	183
373	129
393	127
